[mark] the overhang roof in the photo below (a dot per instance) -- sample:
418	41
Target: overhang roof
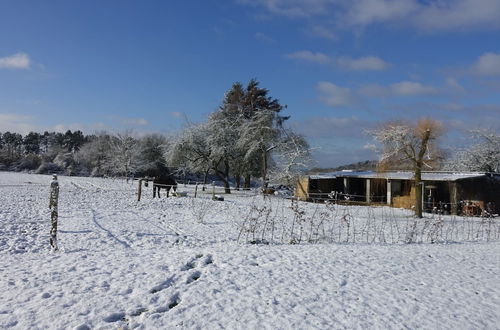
401	175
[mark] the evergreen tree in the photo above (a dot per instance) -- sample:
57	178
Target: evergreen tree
31	143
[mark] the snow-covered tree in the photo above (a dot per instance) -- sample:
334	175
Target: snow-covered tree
32	143
293	157
152	149
261	129
95	157
126	156
408	145
190	150
484	155
12	147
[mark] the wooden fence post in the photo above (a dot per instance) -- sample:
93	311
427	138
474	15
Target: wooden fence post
196	190
213	189
54	199
139	190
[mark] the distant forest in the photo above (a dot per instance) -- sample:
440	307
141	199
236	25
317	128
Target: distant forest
367	165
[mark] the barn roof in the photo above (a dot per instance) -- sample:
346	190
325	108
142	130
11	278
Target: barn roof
401	175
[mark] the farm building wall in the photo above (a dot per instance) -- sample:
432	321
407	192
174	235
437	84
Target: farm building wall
302	189
484	190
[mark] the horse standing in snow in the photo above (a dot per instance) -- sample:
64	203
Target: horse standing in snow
161	179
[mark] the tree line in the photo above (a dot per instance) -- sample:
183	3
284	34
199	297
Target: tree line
244	139
74	153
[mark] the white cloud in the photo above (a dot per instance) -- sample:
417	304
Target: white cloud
402	88
264	38
135	121
411	88
16	123
487	64
306	55
323	32
291	8
176	114
428	16
458	15
367	63
366	12
16	61
334	95
454	84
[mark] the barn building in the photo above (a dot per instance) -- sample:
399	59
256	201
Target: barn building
469	193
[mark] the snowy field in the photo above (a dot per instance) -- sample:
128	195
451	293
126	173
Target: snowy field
153	265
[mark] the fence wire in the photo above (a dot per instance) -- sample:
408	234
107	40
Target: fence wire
281	221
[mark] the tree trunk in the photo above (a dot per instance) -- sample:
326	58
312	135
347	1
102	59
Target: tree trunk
224	176
418	191
237	179
227	188
205	177
247	182
264	170
418	173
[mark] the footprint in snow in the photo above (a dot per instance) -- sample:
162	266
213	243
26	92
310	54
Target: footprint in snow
193	277
138	311
208	260
192	263
82	327
115	317
165	284
173	302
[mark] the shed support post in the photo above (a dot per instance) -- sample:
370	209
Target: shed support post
389	192
368	191
346	185
453	198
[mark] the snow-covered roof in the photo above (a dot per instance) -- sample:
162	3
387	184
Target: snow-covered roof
400	175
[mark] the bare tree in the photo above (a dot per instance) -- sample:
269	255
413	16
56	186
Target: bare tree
408	145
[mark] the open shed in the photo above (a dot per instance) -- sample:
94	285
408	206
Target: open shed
470	193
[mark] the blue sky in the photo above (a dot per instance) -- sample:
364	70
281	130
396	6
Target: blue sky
341	66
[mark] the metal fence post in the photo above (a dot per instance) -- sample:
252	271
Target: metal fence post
54	199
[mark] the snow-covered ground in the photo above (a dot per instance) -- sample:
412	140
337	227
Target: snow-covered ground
153	265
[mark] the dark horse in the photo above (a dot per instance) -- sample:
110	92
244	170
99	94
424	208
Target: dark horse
162	179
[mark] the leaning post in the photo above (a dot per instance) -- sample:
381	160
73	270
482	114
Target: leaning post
54	198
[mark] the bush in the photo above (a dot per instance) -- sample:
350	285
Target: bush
49	168
30	162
